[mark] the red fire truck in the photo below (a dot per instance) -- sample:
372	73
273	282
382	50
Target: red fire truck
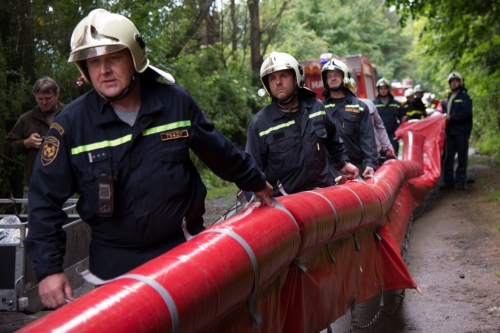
360	68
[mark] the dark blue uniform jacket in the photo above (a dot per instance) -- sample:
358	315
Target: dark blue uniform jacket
297	157
157	184
460	115
353	120
416	109
391	113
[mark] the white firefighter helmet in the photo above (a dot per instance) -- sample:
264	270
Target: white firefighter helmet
383	82
409	92
335	64
418	88
456	75
102	32
279	61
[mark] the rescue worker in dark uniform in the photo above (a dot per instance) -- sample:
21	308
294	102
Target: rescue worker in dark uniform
290	139
458	129
351	117
389	110
409	94
431	102
125	146
416	108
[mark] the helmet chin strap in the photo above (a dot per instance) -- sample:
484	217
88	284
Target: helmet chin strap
289	99
125	92
337	88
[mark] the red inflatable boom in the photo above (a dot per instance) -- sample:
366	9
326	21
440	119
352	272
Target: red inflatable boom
293	268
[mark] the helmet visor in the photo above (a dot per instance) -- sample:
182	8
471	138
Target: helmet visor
275	69
97	51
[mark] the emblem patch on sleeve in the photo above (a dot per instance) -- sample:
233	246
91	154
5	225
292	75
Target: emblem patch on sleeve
57	127
50	150
174	135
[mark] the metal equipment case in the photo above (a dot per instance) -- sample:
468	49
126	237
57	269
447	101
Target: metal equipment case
18	284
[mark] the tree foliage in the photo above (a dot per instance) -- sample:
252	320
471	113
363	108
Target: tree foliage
461	36
213	48
344	28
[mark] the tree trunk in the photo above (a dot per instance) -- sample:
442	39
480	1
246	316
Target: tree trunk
16	31
255	35
204	6
234	23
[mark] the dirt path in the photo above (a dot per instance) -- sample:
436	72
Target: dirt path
453	255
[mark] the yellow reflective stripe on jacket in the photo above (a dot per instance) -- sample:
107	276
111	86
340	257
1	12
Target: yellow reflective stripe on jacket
395	105
457	101
330	106
102	144
355	106
319	113
411	113
167	127
291	122
127	138
380	105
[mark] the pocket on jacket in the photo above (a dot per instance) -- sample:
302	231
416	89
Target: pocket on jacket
284	154
175	171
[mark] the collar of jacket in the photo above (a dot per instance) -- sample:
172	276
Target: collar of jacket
348	99
275	112
379	100
460	91
38	114
391	96
150	104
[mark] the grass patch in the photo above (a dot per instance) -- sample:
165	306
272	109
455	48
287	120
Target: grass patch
494	195
497	274
216	187
225	190
481	160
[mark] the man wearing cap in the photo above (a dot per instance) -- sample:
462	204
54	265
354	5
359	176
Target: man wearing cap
350	115
292	137
458	129
125	146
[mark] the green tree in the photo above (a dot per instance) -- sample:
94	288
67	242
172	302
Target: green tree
344	28
462	36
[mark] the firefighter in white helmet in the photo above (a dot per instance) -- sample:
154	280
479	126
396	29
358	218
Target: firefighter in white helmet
351	116
290	139
416	108
383	142
458	130
390	110
125	146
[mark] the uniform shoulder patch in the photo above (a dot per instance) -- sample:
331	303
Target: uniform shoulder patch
58	128
50	150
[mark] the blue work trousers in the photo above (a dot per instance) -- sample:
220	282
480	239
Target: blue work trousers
394	143
456	144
